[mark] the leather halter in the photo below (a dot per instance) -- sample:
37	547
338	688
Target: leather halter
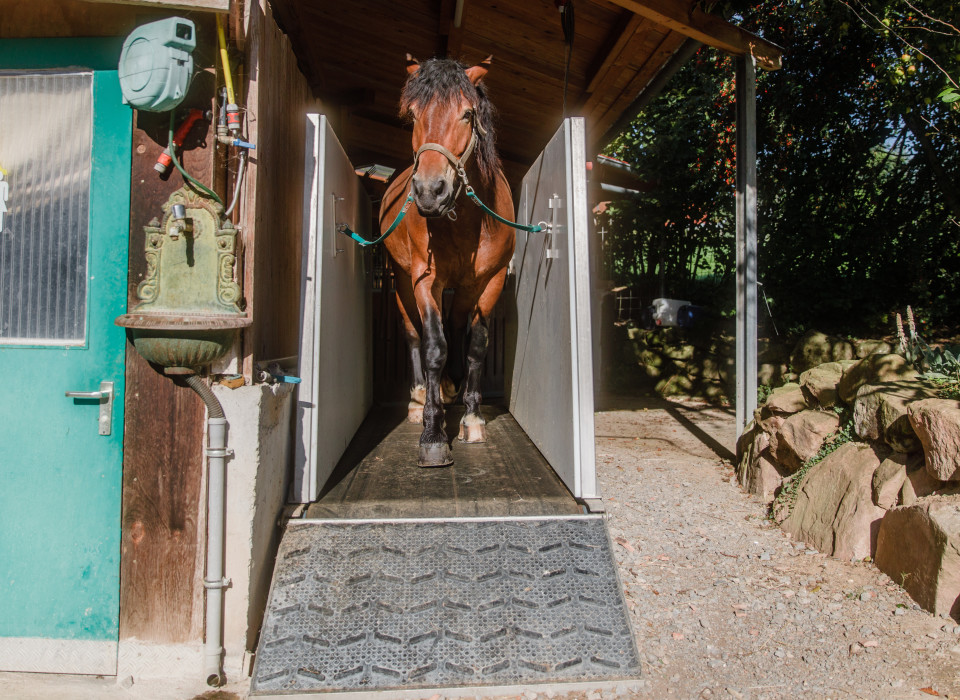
457	163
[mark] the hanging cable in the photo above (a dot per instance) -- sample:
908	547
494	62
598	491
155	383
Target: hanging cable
236	186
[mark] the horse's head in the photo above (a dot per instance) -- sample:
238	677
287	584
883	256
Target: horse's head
442	99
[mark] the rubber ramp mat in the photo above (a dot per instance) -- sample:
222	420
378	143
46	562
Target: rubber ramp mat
420	604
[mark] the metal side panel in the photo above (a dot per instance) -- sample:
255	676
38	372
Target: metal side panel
551	353
336	390
375	605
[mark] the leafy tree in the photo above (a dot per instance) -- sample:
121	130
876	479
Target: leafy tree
857	161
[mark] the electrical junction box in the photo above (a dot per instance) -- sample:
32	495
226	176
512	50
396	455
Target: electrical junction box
156	64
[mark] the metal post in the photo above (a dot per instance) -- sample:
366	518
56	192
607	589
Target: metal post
746	241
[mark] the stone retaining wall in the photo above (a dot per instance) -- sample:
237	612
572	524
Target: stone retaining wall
892	493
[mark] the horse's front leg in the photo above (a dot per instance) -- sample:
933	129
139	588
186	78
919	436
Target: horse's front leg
410	315
434	449
473	426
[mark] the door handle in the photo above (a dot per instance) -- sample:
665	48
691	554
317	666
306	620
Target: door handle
105	421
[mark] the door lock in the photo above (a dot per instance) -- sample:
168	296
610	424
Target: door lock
105	397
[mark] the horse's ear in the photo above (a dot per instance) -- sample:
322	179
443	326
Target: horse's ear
476	73
413	65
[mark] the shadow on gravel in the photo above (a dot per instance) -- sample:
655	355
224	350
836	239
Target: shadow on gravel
679	412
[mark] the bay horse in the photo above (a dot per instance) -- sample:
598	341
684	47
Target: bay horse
438	246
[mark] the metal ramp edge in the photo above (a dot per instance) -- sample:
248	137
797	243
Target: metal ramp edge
367	605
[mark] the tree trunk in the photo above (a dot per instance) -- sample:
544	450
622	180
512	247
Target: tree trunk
946	185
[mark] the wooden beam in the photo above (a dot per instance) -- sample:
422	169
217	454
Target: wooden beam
706	28
625	33
196	5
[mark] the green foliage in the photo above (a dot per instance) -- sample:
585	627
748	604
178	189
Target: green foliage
763	393
787	496
858	165
682	145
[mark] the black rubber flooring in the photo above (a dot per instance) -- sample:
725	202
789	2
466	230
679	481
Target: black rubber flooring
378	476
454	603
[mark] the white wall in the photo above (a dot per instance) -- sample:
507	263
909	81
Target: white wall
259	419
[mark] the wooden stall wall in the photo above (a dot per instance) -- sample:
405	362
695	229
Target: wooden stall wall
277	100
164	530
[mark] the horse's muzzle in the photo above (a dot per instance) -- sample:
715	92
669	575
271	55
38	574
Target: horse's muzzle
433	196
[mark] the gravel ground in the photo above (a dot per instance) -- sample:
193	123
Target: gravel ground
723	603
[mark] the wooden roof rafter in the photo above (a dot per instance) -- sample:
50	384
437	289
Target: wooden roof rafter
707	29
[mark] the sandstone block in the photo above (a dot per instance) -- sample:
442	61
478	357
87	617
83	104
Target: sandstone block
937	424
801	436
873	369
872	347
816	348
786	400
834	511
819	384
880	412
888	480
756	470
919	483
919	547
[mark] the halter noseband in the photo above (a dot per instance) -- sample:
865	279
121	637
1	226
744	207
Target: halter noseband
457	163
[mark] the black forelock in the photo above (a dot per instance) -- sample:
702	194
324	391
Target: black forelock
445	79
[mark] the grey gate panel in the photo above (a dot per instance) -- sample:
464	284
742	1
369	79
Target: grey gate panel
335	362
550	352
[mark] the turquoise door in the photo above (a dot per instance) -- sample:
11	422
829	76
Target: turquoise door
64	201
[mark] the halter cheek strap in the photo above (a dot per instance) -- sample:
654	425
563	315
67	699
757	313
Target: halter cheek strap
457	163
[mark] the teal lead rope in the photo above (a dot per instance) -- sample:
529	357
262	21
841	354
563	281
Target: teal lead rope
344	229
536	228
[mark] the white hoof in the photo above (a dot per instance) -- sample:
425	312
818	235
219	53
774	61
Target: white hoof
473	429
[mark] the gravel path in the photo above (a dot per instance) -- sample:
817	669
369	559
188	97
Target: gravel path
726	605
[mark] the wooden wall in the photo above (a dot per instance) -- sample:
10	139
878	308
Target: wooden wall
163	526
277	100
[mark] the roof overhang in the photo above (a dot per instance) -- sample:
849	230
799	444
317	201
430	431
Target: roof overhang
623	52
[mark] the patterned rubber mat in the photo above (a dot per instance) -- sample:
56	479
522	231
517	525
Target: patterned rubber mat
408	604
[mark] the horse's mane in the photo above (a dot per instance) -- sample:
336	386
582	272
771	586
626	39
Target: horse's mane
444	79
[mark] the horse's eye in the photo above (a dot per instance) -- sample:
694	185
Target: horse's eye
468	115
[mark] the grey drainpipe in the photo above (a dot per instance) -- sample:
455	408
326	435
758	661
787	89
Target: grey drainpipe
214	581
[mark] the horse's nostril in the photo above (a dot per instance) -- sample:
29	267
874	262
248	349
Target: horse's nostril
440	188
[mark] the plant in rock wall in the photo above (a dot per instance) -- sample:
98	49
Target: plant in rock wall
939	364
786	498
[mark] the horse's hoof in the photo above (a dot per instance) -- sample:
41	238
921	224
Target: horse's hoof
435	455
414	412
472	429
448	390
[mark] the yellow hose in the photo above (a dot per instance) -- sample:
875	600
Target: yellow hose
226	61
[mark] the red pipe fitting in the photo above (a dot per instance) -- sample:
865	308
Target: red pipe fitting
165	160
